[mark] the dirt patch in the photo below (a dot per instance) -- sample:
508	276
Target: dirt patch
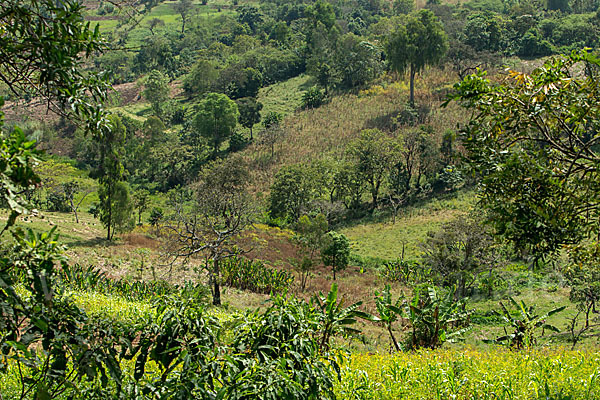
37	110
140	240
129	93
273	246
101	17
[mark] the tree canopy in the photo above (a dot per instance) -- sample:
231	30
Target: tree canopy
216	118
421	41
533	139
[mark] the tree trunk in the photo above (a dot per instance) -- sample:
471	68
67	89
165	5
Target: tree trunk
74	209
394	341
216	293
109	223
216	289
460	289
412	86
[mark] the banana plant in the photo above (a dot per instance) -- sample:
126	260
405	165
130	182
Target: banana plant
435	318
525	325
334	318
389	312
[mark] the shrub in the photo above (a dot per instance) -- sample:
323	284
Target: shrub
313	98
255	276
89	278
405	271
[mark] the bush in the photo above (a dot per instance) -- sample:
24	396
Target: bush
254	276
313	98
237	142
89	278
57	201
405	271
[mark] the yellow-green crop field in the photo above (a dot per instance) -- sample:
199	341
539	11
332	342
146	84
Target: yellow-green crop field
468	373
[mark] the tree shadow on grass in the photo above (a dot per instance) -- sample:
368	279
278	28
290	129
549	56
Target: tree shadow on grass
94	242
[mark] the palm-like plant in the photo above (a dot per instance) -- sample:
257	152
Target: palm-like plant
525	326
334	318
434	318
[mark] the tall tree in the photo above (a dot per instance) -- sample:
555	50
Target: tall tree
184	8
156	91
336	251
533	139
374	154
421	41
249	109
222	210
216	118
141	201
114	198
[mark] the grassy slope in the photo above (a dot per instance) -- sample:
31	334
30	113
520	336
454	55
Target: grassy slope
327	130
386	240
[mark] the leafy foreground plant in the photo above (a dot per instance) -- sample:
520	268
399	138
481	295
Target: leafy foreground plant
525	327
181	352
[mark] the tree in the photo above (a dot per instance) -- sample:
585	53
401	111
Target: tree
272	132
533	142
458	253
413	46
222	210
154	131
115	210
249	15
156	91
348	185
184	8
560	5
358	61
155	23
216	118
141	201
336	251
237	81
404	6
44	47
484	32
201	79
291	192
374	154
310	236
249	109
70	189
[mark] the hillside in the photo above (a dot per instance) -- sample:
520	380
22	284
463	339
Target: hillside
328	199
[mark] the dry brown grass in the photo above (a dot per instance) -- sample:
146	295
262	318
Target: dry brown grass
326	131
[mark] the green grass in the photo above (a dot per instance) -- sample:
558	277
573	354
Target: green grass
385	240
111	306
284	97
472	374
139	111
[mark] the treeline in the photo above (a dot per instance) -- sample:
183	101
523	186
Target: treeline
338	41
390	170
